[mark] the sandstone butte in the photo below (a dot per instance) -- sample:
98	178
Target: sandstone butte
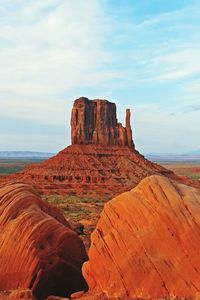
102	161
146	243
38	248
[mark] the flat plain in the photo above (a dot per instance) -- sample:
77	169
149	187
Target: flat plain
189	169
14	165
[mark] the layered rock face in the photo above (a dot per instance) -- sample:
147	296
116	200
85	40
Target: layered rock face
146	243
38	248
95	122
102	160
90	170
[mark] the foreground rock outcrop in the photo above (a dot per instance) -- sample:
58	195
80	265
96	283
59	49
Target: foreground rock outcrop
38	248
147	242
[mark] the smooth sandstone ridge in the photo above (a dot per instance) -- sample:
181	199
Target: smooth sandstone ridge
146	243
38	248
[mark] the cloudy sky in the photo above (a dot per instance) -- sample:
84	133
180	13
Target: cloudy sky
141	54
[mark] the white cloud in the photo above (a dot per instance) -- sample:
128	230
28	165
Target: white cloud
181	64
53	51
47	53
156	129
164	47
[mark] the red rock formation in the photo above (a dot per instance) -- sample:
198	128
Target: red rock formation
102	160
146	244
90	170
17	294
38	249
128	129
95	122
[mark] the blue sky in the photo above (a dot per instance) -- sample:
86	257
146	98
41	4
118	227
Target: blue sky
144	55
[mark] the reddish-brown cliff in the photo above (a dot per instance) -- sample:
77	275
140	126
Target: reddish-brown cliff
38	248
95	122
90	170
146	243
19	294
102	160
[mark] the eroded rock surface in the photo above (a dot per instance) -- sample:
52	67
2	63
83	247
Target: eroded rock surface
38	248
102	160
146	243
20	294
95	122
90	170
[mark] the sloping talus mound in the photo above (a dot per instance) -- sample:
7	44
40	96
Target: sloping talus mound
38	249
147	242
90	170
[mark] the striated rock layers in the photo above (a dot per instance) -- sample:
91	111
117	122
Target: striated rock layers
146	244
95	122
90	170
38	248
102	160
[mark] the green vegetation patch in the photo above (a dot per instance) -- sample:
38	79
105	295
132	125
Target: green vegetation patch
11	166
58	199
9	170
195	177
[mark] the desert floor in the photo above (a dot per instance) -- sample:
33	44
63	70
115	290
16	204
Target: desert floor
189	169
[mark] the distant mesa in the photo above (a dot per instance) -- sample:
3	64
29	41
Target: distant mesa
95	122
146	243
102	160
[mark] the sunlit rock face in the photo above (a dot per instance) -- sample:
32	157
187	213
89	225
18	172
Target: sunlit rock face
146	243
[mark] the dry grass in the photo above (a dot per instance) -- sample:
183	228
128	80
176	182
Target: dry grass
191	170
79	210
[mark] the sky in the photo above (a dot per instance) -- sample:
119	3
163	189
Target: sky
140	54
